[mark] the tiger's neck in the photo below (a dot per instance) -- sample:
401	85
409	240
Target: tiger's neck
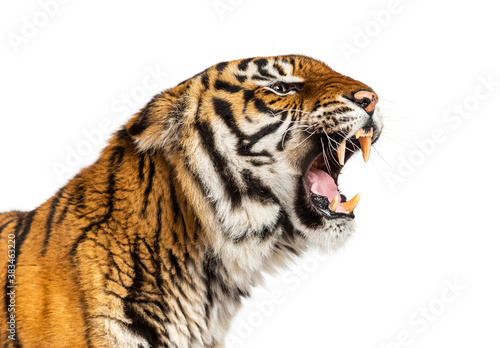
155	256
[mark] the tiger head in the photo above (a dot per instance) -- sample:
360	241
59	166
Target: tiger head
259	144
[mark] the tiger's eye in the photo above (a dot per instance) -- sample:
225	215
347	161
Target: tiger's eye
280	88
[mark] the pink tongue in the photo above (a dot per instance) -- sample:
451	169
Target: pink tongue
322	183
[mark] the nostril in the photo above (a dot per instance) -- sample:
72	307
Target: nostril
364	103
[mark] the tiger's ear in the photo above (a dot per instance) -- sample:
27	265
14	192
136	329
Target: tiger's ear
158	124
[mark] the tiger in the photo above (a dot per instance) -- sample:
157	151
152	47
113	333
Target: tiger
226	177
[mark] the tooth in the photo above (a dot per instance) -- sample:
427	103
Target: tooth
315	164
334	203
358	133
349	206
366	145
341	153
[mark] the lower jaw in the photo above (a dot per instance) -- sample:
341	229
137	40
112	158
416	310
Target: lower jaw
312	216
321	204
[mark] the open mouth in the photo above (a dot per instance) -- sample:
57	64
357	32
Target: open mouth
321	179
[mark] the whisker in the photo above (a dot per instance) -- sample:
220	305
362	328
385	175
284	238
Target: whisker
291	110
332	155
325	157
303	141
292	128
378	153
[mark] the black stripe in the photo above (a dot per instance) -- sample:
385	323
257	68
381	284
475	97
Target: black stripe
221	66
248	95
241	78
279	69
205	81
140	325
214	272
243	65
289	232
63	213
257	190
305	212
175	208
141	167
173	197
143	119
261	66
254	138
149	187
79	196
115	161
261	106
157	246
135	303
224	110
266	130
50	219
245	143
223	85
258	77
261	62
174	262
266	73
220	163
5	225
197	179
21	238
142	123
122	134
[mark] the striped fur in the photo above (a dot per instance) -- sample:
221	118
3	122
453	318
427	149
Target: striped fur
157	243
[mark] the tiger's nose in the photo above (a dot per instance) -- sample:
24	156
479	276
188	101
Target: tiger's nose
367	100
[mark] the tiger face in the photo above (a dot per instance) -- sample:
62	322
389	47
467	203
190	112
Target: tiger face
263	142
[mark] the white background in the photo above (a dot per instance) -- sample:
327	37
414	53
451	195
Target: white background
63	70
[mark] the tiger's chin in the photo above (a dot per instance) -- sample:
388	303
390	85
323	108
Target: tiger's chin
333	235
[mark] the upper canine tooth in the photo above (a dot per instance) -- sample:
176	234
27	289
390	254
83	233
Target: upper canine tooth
366	146
351	205
341	153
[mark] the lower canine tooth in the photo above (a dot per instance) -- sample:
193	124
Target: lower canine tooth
334	203
349	206
341	153
366	146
